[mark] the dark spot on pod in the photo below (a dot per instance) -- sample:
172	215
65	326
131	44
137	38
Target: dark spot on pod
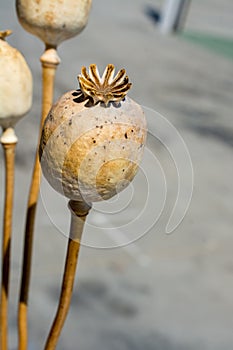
94	141
123	170
123	147
97	126
101	126
132	130
51	117
126	136
96	153
104	147
70	122
66	107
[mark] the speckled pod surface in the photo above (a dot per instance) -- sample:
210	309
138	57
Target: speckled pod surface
93	138
15	85
92	153
53	21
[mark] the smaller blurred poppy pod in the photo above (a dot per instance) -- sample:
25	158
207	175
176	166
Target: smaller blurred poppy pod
93	138
15	84
51	20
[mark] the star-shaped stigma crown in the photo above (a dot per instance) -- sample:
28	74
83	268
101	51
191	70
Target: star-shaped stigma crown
106	88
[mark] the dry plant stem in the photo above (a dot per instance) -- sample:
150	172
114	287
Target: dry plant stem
8	141
49	61
79	211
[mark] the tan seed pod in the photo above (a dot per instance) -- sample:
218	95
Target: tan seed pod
53	21
93	138
15	84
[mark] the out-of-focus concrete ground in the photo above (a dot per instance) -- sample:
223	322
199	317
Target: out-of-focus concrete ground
163	292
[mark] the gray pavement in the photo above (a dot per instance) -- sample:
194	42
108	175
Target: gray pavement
162	292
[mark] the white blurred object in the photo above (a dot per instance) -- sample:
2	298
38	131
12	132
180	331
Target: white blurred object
174	15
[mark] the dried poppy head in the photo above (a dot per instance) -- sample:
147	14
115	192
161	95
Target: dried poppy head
93	138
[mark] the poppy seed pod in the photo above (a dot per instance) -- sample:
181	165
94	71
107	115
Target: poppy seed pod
51	20
15	84
93	138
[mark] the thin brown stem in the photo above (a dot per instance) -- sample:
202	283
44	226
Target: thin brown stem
8	141
79	211
49	61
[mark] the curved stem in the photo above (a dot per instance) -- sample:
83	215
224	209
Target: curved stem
79	211
8	141
49	61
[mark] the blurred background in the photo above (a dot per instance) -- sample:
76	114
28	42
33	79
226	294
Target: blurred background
161	291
